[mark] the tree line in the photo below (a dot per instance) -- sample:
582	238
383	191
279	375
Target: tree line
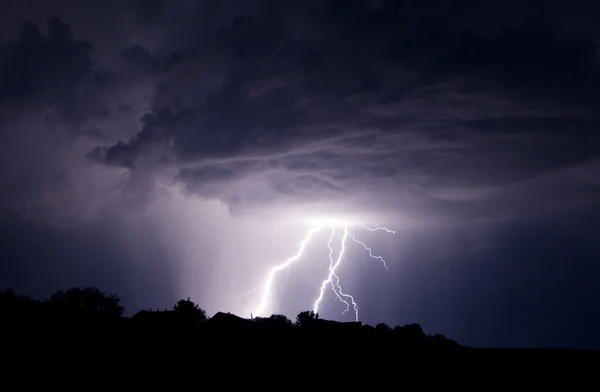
90	303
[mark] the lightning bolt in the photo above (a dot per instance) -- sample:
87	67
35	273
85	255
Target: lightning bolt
332	280
377	227
269	282
339	294
370	251
332	275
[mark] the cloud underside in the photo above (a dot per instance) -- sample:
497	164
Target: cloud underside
354	106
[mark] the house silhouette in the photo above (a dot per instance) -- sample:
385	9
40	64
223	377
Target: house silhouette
158	315
228	322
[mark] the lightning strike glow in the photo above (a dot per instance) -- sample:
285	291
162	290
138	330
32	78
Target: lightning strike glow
333	279
338	292
287	276
331	264
370	251
378	228
332	275
254	290
267	286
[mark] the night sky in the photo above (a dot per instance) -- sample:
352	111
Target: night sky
166	149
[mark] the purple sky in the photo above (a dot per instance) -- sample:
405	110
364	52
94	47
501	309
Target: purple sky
166	149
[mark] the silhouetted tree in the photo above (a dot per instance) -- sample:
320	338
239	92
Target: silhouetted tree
383	328
411	334
85	303
274	325
188	310
7	296
280	320
15	307
414	331
306	318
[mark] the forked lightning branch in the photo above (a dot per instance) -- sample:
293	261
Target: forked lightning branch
332	280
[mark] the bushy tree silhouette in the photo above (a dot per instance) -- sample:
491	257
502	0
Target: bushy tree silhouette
189	311
414	331
280	320
306	318
276	324
85	303
383	328
7	296
17	306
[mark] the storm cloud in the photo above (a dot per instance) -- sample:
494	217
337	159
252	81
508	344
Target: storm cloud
358	104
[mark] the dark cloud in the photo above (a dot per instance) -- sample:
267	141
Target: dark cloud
368	101
56	103
51	70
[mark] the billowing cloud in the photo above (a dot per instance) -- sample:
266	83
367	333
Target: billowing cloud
357	107
56	104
